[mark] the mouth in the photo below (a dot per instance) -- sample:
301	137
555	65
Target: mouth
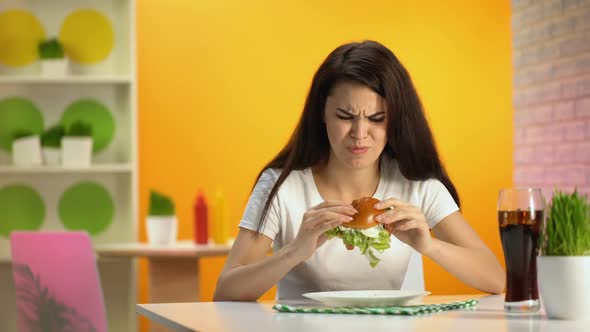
358	149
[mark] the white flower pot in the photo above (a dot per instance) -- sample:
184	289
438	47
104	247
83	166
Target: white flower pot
76	151
51	156
54	67
564	286
26	151
162	229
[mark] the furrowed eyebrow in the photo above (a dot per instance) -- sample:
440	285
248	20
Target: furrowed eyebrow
341	110
372	116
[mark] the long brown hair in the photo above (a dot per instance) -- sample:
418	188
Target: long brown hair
409	139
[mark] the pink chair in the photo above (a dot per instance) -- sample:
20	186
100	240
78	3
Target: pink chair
56	282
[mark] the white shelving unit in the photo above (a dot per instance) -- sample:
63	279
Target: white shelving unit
94	169
113	83
66	80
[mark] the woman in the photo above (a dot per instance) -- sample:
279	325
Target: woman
362	133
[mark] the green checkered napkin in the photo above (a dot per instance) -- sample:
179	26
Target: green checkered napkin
397	310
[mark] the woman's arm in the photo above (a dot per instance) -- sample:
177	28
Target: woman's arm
459	250
249	272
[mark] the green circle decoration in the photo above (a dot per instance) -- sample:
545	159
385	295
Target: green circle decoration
17	113
86	206
96	115
21	208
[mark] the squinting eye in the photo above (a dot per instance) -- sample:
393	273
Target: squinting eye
377	120
344	117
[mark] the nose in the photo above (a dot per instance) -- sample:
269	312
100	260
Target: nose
359	128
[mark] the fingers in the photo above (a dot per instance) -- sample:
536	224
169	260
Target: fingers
391	202
341	209
398	214
326	217
323	222
401	226
347	210
328	225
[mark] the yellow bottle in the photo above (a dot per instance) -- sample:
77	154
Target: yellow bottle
220	231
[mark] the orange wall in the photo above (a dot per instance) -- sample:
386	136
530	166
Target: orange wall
222	83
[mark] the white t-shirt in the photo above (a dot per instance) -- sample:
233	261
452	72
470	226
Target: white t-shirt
333	267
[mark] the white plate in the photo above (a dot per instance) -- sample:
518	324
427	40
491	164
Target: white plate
366	297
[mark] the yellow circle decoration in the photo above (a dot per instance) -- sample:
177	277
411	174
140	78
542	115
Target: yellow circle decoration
87	36
20	34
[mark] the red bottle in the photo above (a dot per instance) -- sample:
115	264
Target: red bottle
201	219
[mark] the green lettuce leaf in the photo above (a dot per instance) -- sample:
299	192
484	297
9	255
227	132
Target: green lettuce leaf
365	244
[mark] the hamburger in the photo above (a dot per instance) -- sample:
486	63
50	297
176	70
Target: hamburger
363	231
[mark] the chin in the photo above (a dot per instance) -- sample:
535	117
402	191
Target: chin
355	161
361	162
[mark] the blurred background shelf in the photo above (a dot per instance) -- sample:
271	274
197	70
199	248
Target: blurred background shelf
66	80
98	168
99	87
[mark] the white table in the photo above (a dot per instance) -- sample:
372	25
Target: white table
259	316
173	269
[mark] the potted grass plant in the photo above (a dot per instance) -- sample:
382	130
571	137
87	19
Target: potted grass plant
162	225
76	145
52	56
564	261
51	145
26	148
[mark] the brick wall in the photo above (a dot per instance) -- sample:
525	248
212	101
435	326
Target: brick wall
551	58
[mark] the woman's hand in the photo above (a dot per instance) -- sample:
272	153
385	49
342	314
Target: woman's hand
316	221
406	222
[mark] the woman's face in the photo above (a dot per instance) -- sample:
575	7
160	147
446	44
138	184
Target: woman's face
356	123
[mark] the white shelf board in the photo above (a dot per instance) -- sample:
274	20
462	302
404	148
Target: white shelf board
96	168
112	79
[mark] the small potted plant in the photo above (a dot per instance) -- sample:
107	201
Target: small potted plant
26	148
52	56
76	145
162	226
564	260
51	144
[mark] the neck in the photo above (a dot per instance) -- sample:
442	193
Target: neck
335	180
